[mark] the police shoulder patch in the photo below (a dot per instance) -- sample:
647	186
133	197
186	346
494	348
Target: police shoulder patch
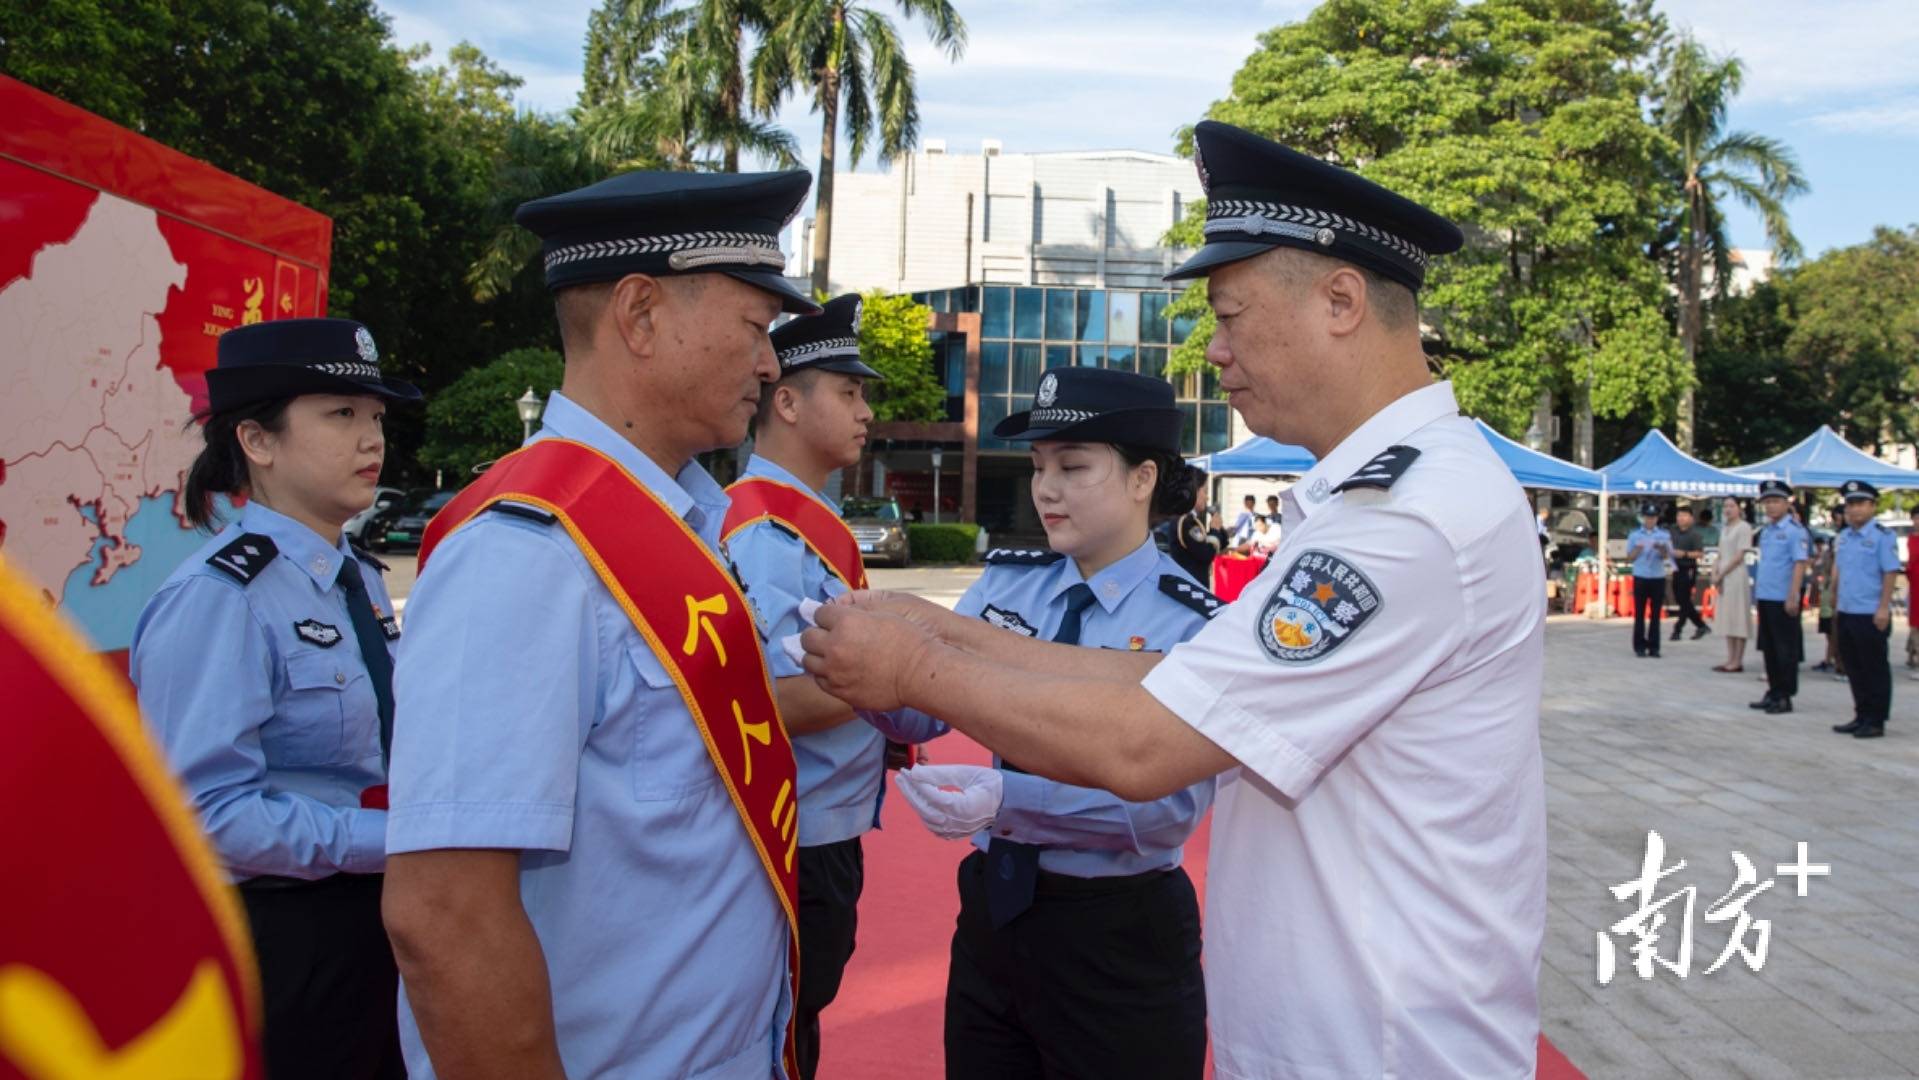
1382	471
1190	594
1022	557
522	510
1321	602
1009	620
245	558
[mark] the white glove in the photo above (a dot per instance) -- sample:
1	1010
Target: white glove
955	801
791	642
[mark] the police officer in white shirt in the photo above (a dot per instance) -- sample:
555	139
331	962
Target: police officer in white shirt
1376	890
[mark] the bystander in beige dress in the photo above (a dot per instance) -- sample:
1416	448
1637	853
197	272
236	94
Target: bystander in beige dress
1733	617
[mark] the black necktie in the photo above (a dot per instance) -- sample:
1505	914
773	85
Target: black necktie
1012	868
372	639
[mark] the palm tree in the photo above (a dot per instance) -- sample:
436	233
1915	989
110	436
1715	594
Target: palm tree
669	76
847	54
1759	171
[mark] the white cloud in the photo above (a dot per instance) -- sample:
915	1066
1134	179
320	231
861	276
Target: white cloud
1805	51
1899	116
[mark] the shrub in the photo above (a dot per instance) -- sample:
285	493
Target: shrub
942	543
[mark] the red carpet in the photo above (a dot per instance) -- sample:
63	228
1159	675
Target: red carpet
886	1023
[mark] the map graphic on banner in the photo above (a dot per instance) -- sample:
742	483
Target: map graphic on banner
121	263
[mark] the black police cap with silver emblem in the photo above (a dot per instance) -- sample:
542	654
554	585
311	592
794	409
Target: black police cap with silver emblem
1648	509
1775	487
829	341
1261	195
1858	489
282	358
1085	404
665	223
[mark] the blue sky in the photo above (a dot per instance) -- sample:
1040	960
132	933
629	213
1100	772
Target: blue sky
1834	79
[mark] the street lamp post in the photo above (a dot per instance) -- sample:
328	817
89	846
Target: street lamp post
530	407
936	486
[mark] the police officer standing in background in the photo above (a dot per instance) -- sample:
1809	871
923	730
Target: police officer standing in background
588	876
1688	547
1648	547
790	546
1866	568
1785	550
264	665
1381	827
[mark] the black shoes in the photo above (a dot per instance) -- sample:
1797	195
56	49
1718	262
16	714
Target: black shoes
1678	632
1779	705
1847	729
1764	702
1870	731
1701	632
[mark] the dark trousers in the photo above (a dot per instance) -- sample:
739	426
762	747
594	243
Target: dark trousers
1862	646
327	978
1098	980
1648	600
831	879
1685	576
1783	641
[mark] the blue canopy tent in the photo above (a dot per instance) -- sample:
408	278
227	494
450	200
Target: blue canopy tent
1258	456
1536	470
1656	467
1825	460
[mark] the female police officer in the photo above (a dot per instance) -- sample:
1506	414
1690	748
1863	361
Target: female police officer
263	665
1077	948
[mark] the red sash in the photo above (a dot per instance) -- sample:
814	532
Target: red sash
760	499
693	615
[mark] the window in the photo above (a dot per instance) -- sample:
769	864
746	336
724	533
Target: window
992	409
1029	313
997	320
1183	328
1152	360
1215	427
1059	356
1122	318
1092	315
1120	358
1059	314
1091	356
1152	317
1026	367
993	372
1188	428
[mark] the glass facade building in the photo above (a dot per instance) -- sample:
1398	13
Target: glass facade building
1026	329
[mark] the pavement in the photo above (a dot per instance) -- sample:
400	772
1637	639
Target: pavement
1634	745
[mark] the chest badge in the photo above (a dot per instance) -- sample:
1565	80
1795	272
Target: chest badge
318	633
390	626
1321	602
1136	643
1009	620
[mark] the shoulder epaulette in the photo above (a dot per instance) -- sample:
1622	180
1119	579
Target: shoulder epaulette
367	557
1382	471
1192	595
522	510
1022	557
246	557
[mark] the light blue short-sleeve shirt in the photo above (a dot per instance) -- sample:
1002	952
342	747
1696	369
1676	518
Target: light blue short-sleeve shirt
1864	558
1653	546
251	678
531	715
840	768
1781	544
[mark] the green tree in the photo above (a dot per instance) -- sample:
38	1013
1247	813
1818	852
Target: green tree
849	57
1754	400
1522	120
474	419
893	341
1855	333
1695	89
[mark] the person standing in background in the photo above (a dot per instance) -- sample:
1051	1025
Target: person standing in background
1648	547
1688	547
1194	545
1866	568
1243	525
1778	586
1733	612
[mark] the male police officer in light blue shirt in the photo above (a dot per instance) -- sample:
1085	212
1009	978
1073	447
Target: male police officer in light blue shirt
1866	564
571	889
1784	548
1648	547
811	423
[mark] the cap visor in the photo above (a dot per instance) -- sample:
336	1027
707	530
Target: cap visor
792	300
1215	255
847	367
1151	428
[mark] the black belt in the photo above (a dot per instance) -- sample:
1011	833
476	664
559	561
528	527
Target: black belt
1054	884
276	883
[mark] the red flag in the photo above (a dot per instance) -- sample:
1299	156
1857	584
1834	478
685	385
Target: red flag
123	951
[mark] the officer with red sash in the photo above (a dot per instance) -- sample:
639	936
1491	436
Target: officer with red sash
591	836
790	545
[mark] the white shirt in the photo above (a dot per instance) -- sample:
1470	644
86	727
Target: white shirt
1376	892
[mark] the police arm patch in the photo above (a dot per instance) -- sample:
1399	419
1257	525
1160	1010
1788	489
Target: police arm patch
1321	602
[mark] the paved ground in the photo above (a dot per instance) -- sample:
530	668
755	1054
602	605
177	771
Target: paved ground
1633	745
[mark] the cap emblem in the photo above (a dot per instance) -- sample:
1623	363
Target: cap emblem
363	341
1048	391
857	306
